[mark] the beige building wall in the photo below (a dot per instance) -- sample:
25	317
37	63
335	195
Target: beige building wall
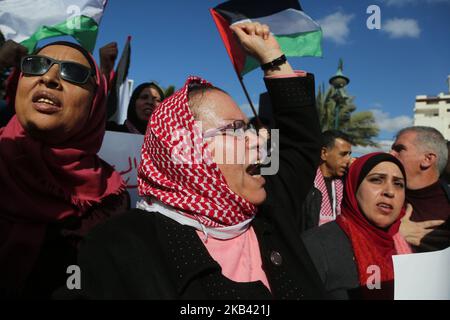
434	111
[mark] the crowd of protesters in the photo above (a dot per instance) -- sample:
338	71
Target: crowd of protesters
204	229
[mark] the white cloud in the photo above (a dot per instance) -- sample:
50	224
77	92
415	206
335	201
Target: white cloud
388	124
384	146
399	28
335	27
402	3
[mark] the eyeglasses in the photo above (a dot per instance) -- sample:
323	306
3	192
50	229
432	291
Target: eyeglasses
239	128
68	70
236	128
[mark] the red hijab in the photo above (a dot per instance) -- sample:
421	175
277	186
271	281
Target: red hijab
371	245
42	184
196	187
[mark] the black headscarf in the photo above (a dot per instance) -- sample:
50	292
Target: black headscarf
140	125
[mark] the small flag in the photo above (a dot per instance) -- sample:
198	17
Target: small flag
29	21
120	92
297	34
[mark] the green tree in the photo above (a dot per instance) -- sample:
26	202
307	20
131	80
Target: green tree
360	126
169	91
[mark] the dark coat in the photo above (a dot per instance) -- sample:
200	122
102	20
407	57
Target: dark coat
332	254
311	209
60	246
144	255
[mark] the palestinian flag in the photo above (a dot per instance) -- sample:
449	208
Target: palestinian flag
28	21
119	94
297	34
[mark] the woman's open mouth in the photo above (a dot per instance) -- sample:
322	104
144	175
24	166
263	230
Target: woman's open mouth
385	207
254	169
148	111
45	102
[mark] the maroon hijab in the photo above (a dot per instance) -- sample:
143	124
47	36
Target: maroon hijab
372	246
42	184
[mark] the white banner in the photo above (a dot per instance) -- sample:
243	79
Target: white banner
123	152
422	276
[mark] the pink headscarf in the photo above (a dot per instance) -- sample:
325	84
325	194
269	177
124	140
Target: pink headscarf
42	184
197	187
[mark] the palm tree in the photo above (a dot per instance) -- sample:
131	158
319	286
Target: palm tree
169	91
362	129
360	126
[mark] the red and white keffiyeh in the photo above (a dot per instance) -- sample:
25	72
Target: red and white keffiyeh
329	211
196	187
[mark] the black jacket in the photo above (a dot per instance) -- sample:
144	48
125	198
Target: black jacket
311	209
144	255
332	254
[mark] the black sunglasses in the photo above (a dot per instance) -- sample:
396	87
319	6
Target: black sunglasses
68	70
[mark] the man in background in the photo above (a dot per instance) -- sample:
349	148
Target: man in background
323	202
423	152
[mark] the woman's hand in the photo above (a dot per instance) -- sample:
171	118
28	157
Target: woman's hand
10	54
258	42
108	55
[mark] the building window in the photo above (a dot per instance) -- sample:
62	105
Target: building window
448	110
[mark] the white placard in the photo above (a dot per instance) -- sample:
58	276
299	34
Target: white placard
123	152
422	276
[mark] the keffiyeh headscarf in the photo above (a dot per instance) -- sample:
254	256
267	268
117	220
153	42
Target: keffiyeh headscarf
195	187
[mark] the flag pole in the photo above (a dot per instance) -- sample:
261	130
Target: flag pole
241	81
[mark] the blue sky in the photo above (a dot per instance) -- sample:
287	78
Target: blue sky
409	56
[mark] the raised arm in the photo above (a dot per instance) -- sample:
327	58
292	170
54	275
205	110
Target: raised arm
293	101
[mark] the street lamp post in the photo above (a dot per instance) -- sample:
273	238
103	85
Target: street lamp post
339	81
